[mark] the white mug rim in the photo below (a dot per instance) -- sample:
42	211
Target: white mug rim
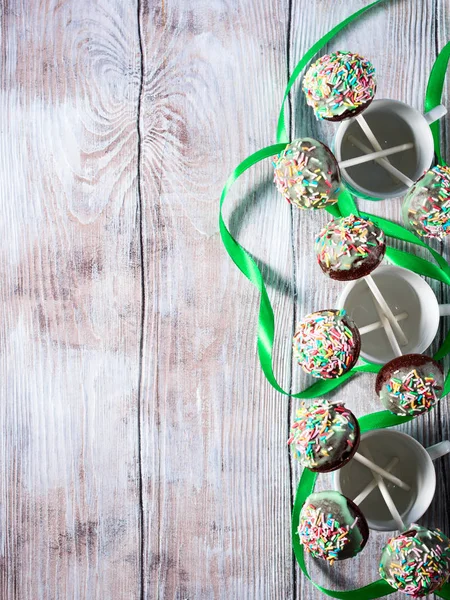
427	141
432	303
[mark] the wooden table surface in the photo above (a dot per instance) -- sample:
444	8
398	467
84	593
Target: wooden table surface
143	453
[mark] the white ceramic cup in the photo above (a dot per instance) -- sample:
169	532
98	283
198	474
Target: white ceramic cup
404	291
392	123
415	467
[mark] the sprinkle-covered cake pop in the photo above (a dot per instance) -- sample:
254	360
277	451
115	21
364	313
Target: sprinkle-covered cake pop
332	527
410	384
339	85
350	248
324	436
327	343
307	174
426	206
417	562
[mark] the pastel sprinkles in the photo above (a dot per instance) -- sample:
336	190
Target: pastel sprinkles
339	84
327	343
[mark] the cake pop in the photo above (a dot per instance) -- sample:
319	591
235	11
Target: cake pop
350	248
416	562
332	527
426	206
327	343
339	85
410	384
325	436
307	174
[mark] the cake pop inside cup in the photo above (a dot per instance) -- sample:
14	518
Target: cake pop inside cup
415	466
404	292
392	123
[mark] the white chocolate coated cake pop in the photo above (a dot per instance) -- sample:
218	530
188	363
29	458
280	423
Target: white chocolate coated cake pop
324	436
332	527
307	174
426	206
416	562
327	343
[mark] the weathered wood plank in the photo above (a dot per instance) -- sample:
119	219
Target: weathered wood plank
215	464
80	188
70	295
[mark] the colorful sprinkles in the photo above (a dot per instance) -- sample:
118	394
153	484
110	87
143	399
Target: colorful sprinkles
322	535
322	433
339	83
427	204
416	562
410	392
326	343
307	174
346	243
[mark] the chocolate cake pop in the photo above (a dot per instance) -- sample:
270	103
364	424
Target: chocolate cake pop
350	248
307	174
327	343
324	436
410	384
339	85
426	206
332	527
416	562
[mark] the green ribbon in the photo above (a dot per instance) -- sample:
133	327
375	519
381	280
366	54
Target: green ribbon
266	320
346	205
281	127
377	589
433	95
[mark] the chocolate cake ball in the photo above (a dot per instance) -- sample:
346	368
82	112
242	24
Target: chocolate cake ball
324	435
426	206
416	562
350	248
410	385
307	174
327	343
339	85
332	527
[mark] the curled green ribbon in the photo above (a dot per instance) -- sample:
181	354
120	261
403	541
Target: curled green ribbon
377	589
433	95
266	320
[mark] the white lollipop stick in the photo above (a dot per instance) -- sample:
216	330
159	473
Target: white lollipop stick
383	162
358	160
373	484
368	132
386	310
387	497
378	324
389	331
380	472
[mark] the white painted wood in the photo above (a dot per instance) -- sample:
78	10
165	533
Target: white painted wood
70	297
214	456
143	453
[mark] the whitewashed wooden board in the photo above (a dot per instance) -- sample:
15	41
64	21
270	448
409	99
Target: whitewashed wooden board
143	454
